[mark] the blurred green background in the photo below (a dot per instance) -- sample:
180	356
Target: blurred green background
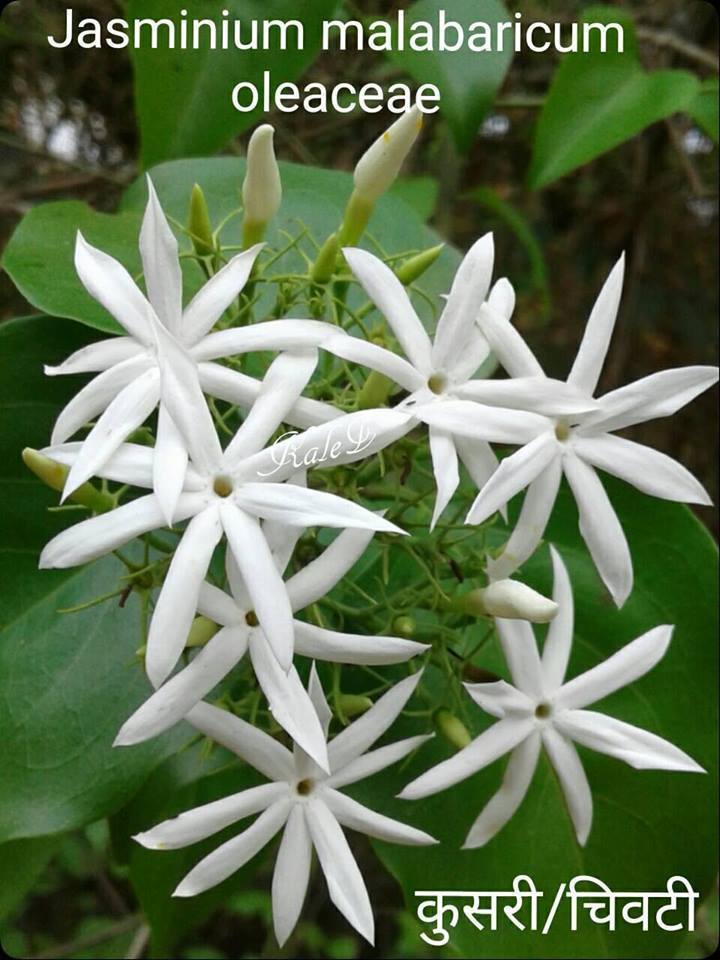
69	129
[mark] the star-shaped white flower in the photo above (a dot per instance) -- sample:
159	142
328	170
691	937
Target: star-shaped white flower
443	369
303	799
541	709
240	633
127	388
576	445
225	492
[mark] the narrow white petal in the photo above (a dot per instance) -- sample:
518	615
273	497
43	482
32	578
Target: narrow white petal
353	815
195	825
649	470
214	297
507	344
537	506
573	780
600	528
470	355
96	357
291	875
238	589
177	601
625	666
543	395
558	642
470	419
469	289
320	575
392	301
178	695
285	380
497	740
319	700
282	539
161	266
659	395
375	357
108	282
131	463
96	396
235	387
501	298
445	469
182	394
249	743
513	475
322	644
170	462
302	507
289	703
478	459
269	335
372	762
233	854
637	747
590	357
521	655
345	883
503	804
355	739
264	583
92	538
500	698
218	606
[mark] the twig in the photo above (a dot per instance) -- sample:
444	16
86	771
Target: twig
139	943
125	925
92	173
665	38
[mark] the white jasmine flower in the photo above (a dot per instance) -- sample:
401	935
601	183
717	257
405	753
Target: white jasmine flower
577	444
514	600
223	494
377	169
240	633
261	189
435	372
305	801
127	388
541	709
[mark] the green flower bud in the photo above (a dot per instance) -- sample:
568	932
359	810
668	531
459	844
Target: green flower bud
324	266
199	226
404	626
374	391
452	728
201	631
416	266
54	474
352	704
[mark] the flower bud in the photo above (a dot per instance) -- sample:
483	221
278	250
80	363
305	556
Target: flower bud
199	226
510	600
352	704
261	189
201	631
375	391
416	266
380	164
453	729
404	626
324	266
54	475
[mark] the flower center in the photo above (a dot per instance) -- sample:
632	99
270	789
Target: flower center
304	787
562	430
251	618
223	485
437	383
543	711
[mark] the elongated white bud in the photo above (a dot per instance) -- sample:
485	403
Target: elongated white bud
380	164
261	189
513	600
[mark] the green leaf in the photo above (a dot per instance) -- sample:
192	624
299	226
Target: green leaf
705	108
598	100
42	245
21	863
69	680
648	825
183	97
420	193
183	782
468	80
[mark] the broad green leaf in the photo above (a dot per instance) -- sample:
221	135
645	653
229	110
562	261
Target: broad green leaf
648	825
184	781
42	245
21	863
183	97
468	80
704	109
69	680
598	100
420	193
